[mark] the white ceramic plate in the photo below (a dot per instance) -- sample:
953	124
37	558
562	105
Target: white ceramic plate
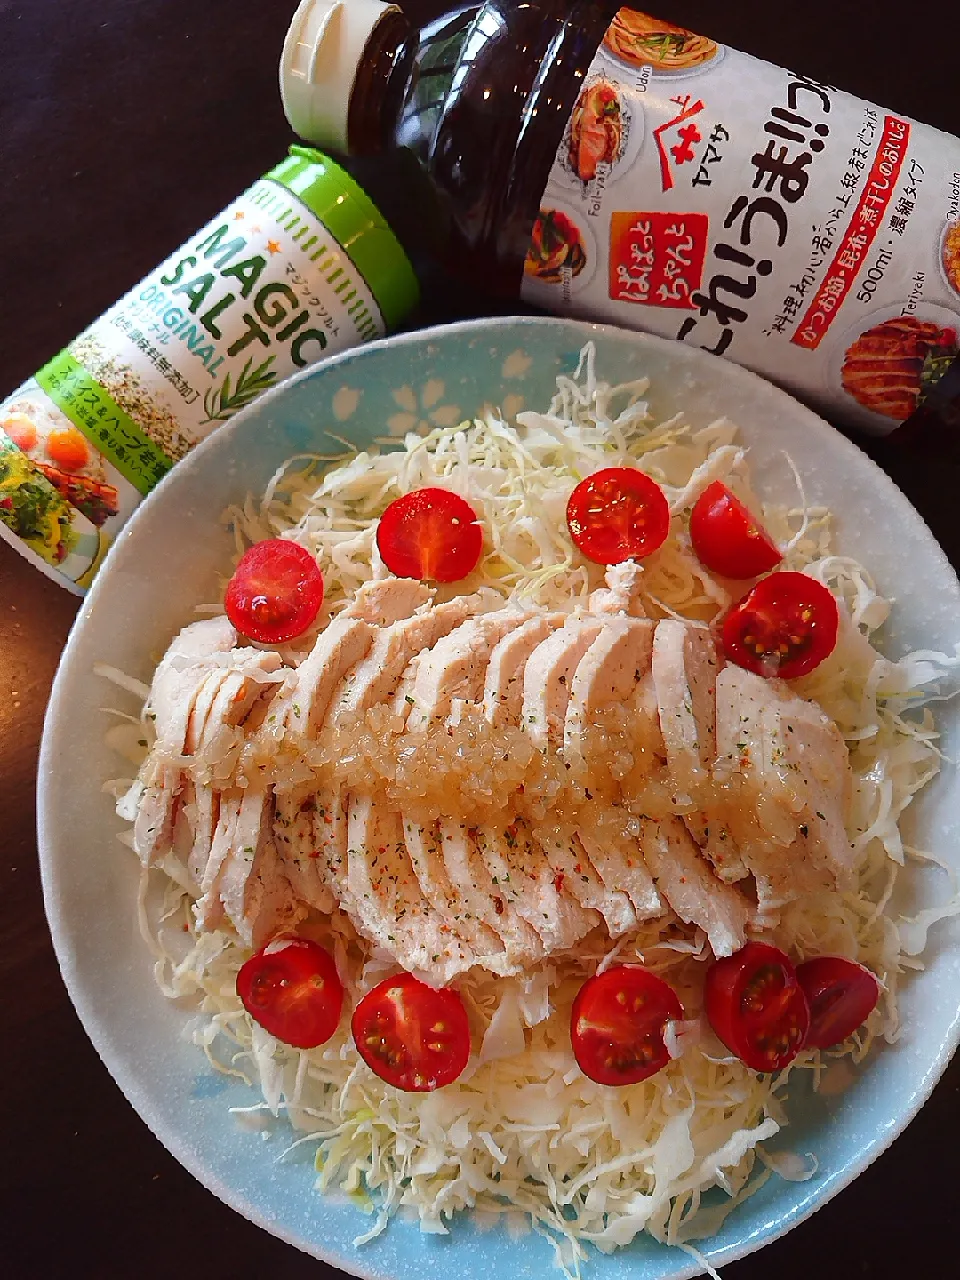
166	560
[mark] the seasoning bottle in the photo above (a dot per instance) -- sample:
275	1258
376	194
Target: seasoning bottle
298	267
599	162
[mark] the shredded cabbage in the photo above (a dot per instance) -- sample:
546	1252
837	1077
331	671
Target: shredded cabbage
523	1135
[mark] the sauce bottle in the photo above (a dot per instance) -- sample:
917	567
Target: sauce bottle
596	161
299	266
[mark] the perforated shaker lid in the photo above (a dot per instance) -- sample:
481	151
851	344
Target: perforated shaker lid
321	54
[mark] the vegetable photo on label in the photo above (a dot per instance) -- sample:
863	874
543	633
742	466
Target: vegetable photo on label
618	514
727	538
757	1007
556	246
617	1025
275	593
841	994
291	987
430	534
413	1036
785	626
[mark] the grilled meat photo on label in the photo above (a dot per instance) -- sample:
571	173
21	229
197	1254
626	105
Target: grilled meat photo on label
890	366
98	501
596	129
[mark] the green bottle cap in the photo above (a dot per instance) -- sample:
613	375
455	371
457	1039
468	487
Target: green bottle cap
351	216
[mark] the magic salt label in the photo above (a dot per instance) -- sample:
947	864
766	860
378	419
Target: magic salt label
300	266
604	163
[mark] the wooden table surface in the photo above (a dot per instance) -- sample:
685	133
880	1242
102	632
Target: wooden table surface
123	127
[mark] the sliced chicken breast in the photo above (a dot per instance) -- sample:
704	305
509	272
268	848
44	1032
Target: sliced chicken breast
547	676
548	681
528	885
294	825
449	870
191	697
503	680
685	667
690	886
454	667
608	675
375	680
254	892
386	901
784	776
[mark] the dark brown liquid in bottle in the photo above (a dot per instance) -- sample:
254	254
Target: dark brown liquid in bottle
473	108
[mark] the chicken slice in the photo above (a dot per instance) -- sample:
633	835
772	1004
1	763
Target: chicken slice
444	858
205	819
685	667
526	884
453	671
784	778
339	647
518	872
608	675
547	676
443	853
376	678
371	682
503	682
459	678
189	703
388	600
294	826
254	892
690	886
330	843
223	704
191	655
454	667
208	907
385	898
548	680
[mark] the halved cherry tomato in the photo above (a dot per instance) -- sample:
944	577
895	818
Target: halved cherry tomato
785	626
727	538
841	995
430	534
756	1006
618	514
291	987
413	1036
275	593
617	1023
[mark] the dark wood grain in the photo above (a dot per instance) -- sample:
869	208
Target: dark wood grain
123	126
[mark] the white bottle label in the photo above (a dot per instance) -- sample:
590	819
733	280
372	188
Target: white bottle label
705	195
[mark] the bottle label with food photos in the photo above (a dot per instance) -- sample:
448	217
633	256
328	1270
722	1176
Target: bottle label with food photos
702	194
264	290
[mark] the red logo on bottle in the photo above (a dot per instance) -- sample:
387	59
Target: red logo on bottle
675	139
656	259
